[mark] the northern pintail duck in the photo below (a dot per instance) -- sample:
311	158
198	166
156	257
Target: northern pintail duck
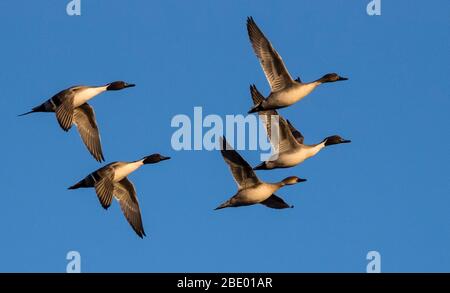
71	107
111	180
290	146
285	91
251	190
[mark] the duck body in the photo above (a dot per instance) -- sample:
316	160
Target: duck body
119	170
77	94
84	94
293	157
122	170
255	194
289	95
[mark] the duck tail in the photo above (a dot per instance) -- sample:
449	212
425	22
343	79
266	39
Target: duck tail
77	185
226	204
86	182
256	108
26	113
262	166
40	108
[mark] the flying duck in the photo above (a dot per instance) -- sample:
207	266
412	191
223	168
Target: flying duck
251	190
111	180
285	91
71	107
290	143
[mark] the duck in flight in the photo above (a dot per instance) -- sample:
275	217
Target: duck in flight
251	190
71	107
111	180
290	146
285	91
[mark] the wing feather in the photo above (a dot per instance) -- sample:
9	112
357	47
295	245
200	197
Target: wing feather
273	66
84	119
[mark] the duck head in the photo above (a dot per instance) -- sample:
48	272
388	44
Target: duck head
118	85
155	158
335	139
291	180
331	77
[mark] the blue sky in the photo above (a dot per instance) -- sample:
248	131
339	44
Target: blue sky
389	190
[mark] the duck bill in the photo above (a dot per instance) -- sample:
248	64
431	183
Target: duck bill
301	180
165	158
346	141
342	78
130	85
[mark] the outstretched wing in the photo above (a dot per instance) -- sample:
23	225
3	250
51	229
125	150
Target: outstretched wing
273	66
84	119
242	172
126	195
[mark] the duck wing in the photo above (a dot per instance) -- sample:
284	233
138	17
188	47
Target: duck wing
273	66
243	174
104	185
84	119
125	193
275	202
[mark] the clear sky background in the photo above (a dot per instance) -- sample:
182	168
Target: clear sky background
389	190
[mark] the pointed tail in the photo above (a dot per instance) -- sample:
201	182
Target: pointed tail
77	185
224	205
40	108
32	111
86	182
